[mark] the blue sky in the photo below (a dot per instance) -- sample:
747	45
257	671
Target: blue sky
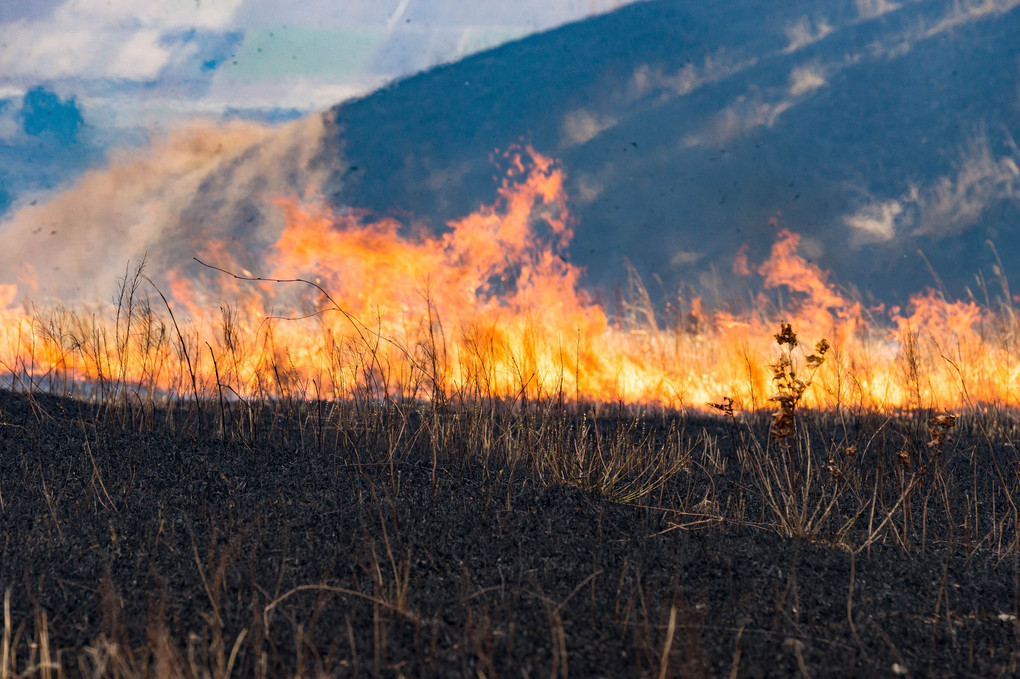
78	77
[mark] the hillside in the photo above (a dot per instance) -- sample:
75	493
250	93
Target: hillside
882	133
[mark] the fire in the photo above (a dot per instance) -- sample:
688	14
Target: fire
344	303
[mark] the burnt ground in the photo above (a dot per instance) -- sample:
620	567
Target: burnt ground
141	543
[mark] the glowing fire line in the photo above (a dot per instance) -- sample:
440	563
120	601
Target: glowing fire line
491	309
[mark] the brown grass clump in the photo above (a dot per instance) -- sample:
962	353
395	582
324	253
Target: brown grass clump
790	388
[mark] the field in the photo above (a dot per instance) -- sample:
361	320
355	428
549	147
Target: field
439	455
372	538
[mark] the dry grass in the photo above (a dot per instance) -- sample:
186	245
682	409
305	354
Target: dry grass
844	476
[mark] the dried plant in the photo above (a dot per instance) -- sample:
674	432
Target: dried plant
938	428
801	492
789	387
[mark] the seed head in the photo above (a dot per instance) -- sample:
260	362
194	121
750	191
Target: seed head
938	429
786	335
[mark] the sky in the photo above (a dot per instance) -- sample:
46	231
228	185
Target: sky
78	77
80	80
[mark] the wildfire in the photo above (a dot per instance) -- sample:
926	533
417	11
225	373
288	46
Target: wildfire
344	303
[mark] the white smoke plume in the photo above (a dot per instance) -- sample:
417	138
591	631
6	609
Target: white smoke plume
804	32
947	205
160	202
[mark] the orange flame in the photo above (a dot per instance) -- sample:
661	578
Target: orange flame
492	308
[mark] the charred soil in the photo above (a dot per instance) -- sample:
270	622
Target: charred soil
373	539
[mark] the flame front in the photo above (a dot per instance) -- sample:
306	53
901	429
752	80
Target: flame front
492	308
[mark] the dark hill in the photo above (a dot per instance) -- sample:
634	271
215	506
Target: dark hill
685	127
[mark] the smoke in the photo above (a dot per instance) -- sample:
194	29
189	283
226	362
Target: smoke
803	79
971	10
947	205
870	9
655	80
958	15
746	113
757	108
957	201
874	223
162	202
804	32
581	126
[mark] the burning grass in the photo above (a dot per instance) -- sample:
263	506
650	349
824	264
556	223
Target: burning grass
243	504
492	309
295	484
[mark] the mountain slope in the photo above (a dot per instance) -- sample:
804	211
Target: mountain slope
688	130
883	133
